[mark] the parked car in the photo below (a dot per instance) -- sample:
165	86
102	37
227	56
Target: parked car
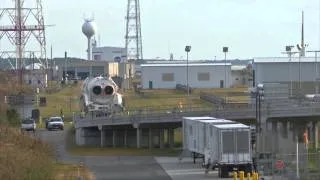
55	122
28	125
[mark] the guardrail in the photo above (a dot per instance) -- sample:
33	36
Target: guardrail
267	110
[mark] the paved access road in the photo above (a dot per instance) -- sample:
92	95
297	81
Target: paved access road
104	168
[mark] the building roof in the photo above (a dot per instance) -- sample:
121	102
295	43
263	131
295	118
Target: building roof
238	67
182	65
284	59
231	126
199	118
34	66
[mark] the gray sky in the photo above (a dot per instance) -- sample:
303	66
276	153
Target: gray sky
250	28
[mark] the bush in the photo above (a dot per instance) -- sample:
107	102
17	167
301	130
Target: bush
23	157
13	117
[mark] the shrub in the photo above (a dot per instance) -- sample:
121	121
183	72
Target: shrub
23	157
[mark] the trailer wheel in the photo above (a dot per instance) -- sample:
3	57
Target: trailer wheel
223	172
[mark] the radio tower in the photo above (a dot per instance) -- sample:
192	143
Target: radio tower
19	23
133	31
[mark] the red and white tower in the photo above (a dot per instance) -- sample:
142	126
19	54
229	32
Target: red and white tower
22	34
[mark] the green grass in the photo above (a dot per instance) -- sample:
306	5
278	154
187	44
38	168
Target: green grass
67	99
67	171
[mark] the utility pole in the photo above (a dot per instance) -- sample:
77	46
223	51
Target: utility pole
290	53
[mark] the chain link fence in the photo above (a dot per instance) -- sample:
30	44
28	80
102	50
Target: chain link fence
289	166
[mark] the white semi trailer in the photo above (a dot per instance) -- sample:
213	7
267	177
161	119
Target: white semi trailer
194	134
228	148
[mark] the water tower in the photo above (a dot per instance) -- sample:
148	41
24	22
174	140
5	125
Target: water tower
89	29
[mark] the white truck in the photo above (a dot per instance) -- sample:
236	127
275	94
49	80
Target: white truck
228	148
194	134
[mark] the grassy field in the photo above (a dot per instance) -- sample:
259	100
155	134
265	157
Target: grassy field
67	99
24	157
65	171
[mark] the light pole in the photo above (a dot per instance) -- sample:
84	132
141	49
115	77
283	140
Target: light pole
288	50
225	50
290	53
259	94
316	70
188	49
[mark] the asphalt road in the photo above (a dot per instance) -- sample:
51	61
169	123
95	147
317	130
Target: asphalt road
104	168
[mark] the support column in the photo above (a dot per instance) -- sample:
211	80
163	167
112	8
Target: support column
80	136
139	137
114	138
316	132
102	138
171	137
150	138
161	138
125	137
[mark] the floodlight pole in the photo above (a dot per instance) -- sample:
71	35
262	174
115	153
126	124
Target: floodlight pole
225	50
187	49
290	53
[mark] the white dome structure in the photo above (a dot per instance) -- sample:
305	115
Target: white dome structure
89	29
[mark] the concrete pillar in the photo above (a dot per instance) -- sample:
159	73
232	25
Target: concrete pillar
76	72
139	137
114	138
171	137
102	138
161	138
80	136
274	144
316	132
125	137
150	139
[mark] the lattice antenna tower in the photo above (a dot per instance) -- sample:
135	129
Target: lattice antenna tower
133	31
18	24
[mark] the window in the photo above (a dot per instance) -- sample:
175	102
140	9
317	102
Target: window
203	76
97	57
167	77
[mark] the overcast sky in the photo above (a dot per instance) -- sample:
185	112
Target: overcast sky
250	28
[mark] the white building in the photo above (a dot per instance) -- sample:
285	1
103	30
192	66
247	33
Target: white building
281	69
35	76
241	75
110	54
284	70
167	76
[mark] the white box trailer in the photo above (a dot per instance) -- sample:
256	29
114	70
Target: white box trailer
229	148
194	133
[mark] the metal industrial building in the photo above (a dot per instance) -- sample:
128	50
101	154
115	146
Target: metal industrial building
201	75
82	69
109	54
284	70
